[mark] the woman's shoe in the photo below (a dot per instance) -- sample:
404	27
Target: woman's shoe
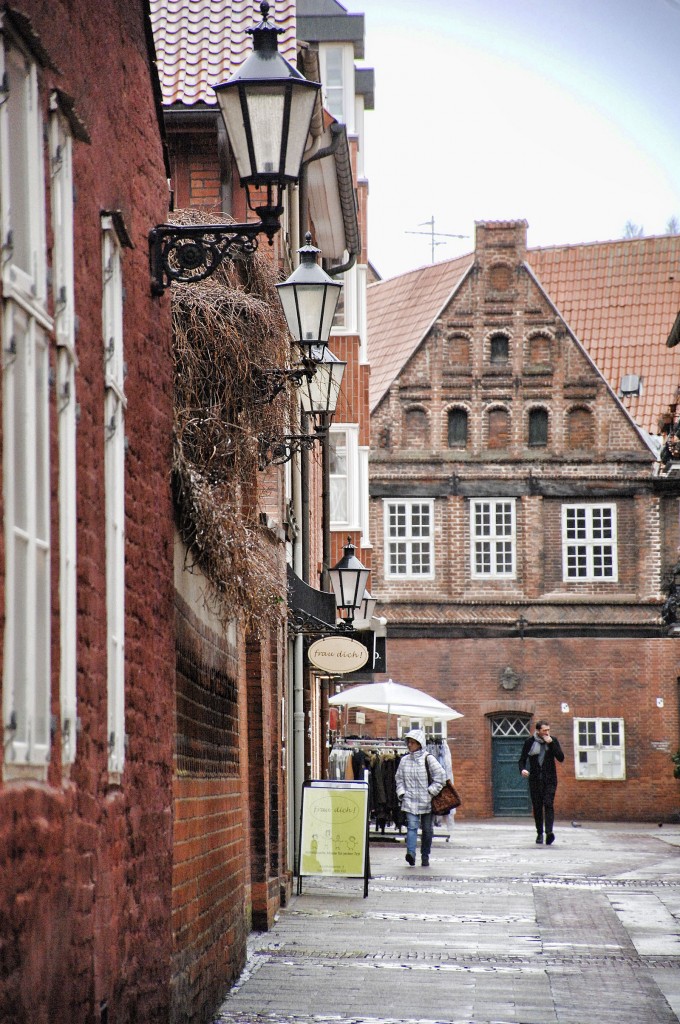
539	839
410	859
550	839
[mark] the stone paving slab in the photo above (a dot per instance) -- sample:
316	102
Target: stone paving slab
496	931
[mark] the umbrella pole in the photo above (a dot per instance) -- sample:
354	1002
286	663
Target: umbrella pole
387	733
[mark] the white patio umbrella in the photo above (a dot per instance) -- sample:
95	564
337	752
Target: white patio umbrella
394	699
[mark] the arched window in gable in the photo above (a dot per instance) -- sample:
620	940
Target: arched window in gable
539	350
580	428
538	428
457	350
499	349
498	422
500	277
416	429
458	428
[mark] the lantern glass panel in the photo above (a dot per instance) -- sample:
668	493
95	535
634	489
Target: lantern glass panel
301	109
319	394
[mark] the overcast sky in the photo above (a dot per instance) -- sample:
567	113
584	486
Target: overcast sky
565	113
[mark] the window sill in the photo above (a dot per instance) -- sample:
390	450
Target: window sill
24	773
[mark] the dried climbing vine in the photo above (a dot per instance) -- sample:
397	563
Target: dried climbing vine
227	331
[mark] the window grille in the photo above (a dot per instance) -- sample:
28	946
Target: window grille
510	725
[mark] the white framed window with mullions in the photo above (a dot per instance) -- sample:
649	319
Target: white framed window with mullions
599	748
61	169
343	441
409	538
493	538
25	392
114	485
337	75
589	543
347	314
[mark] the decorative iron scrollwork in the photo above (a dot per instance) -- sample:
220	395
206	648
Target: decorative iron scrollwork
187	253
274	451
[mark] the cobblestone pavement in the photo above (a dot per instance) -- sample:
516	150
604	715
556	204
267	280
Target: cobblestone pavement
496	931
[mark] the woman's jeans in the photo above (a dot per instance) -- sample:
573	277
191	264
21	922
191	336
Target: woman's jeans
413	822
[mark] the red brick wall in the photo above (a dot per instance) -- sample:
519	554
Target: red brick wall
211	890
596	678
85	863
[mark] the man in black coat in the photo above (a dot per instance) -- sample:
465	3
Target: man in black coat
537	763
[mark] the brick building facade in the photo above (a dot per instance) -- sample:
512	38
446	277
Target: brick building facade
86	560
154	749
252	694
525	531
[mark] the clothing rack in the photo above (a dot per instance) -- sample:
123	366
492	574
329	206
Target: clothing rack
369	743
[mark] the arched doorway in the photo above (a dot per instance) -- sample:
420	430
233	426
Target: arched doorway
510	790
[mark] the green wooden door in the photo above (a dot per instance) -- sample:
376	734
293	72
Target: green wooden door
510	789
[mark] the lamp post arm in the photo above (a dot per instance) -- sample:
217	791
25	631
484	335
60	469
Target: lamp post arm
187	253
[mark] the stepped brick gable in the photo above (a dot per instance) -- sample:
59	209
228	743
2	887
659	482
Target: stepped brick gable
524	528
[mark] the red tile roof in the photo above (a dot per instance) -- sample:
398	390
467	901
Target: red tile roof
401	311
200	43
619	298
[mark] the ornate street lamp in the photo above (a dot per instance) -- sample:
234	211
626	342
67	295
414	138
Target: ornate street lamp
319	391
348	579
367	607
319	385
267	108
309	298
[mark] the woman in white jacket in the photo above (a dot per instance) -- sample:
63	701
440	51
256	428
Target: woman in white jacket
415	792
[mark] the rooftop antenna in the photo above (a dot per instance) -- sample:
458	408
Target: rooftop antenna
434	234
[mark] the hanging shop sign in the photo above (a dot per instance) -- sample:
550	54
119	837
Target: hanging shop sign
338	655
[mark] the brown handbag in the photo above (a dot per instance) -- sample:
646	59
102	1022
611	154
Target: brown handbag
447	799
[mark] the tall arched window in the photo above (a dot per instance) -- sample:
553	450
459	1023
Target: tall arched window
457	350
416	429
500	277
580	429
499	351
539	350
458	428
538	428
499	428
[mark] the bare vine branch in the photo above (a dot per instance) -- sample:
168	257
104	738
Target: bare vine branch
226	331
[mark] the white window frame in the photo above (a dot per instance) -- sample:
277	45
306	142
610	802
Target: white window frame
27	678
588	546
114	474
364	496
495	543
408	539
26	432
430	726
350	299
352	492
346	88
27	283
598	757
61	170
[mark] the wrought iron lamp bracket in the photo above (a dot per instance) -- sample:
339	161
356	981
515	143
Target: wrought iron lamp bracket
309	625
274	451
272	382
187	253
